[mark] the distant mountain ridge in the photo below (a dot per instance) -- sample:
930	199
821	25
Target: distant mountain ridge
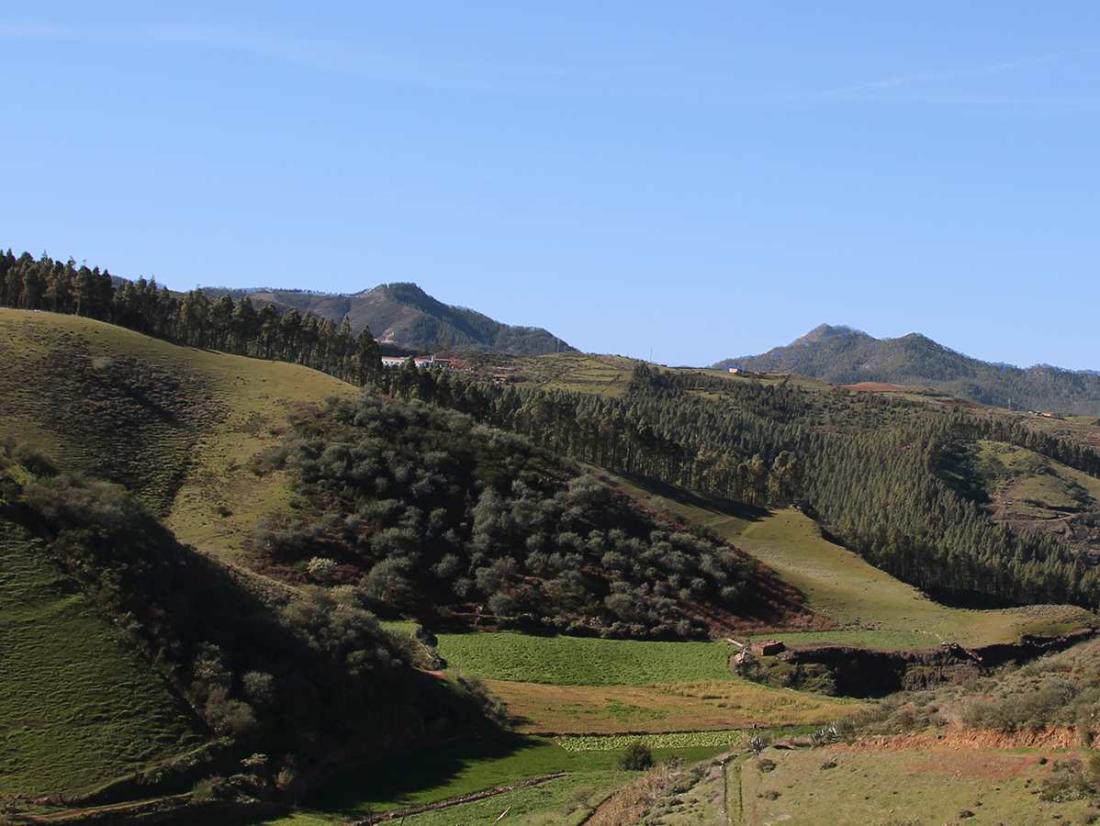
402	314
843	355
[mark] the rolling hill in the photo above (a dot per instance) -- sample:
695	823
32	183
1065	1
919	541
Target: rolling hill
842	355
308	511
405	316
176	425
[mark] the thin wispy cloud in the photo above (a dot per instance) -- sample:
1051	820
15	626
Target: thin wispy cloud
488	76
332	56
876	88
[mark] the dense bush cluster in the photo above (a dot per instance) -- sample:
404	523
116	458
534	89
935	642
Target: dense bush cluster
866	466
423	512
224	323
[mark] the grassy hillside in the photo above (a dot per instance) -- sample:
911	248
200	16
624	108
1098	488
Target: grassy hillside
294	676
176	425
78	705
1029	491
578	372
869	606
1012	747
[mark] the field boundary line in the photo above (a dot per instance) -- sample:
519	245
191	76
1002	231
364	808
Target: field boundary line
447	803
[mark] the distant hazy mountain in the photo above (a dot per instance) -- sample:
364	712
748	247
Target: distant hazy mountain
842	355
406	316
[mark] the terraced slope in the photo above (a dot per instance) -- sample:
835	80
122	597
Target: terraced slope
176	425
1028	491
77	707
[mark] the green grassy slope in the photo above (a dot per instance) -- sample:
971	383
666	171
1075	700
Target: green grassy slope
584	661
176	425
77	707
869	606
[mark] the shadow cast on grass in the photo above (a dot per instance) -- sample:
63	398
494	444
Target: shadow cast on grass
726	507
396	780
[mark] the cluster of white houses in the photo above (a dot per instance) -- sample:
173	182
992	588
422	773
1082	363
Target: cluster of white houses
420	361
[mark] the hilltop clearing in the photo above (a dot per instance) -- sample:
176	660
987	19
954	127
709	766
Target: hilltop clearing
1028	491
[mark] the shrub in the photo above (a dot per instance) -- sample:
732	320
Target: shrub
321	569
636	757
1069	781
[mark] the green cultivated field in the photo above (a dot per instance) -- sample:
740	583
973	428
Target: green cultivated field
564	800
579	685
583	661
76	707
579	372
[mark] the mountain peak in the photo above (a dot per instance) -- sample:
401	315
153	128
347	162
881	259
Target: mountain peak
843	355
402	314
823	332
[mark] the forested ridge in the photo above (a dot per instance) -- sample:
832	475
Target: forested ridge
864	465
233	325
422	512
405	316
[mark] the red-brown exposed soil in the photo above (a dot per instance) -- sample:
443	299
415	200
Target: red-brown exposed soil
962	739
877	387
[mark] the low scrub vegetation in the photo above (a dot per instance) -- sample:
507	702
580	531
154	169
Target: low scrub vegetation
1060	691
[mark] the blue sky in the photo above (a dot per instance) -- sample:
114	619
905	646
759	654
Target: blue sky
695	180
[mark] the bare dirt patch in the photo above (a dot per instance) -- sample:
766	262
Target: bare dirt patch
963	739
